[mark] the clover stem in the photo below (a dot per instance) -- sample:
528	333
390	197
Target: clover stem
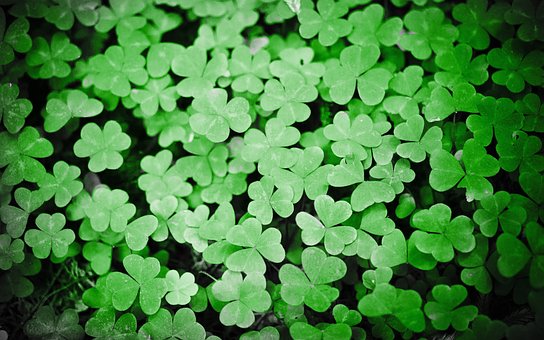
208	275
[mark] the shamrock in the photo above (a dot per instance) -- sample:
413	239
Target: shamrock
248	69
16	218
352	138
13	110
214	117
138	231
72	103
63	13
330	214
532	109
103	325
208	160
183	325
223	188
394	176
484	328
62	184
514	254
51	60
521	151
189	228
159	58
374	220
392	251
122	15
13	39
475	272
326	21
156	92
472	16
11	251
19	153
370	192
298	60
243	297
418	144
170	126
444	311
446	171
438	234
180	288
289	96
529	17
265	200
161	179
514	69
369	28
405	305
109	208
217	227
269	148
257	244
350	171
200	74
405	83
99	255
427	32
306	175
114	70
497	117
458	66
164	210
143	281
311	287
15	282
356	70
49	236
102	146
498	208
226	35
45	324
342	314
303	330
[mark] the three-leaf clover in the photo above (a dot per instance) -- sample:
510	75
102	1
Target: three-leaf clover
16	218
157	92
369	28
142	281
208	160
298	60
248	69
62	184
265	200
19	153
327	22
109	208
182	325
73	103
11	251
243	297
102	146
459	66
392	252
444	311
311	286
330	214
214	117
63	14
498	208
122	15
169	126
13	110
50	236
394	176
46	325
418	144
13	39
438	234
51	60
257	244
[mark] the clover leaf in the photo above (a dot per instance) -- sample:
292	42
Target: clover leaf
122	15
102	146
11	251
394	176
138	231
45	324
15	282
374	220
13	39
444	311
200	74
63	14
50	236
370	192
157	92
458	66
74	104
103	325
303	330
225	35
182	325
243	297
475	272
326	22
356	70
13	110
248	69
214	117
521	151
265	200
406	83
164	210
180	288
267	332
257	244
427	32
418	145
438	234
349	171
109	208
311	286
532	109
289	96
392	252
528	16
16	218
472	30
223	188
62	184
369	27
298	60
19	153
51	59
143	281
99	255
330	214
496	209
169	126
484	328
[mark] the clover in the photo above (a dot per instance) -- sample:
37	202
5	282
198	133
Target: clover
475	272
109	208
63	184
222	189
13	39
445	310
249	69
418	145
299	61
182	325
522	152
257	244
122	15
70	104
214	117
51	59
459	66
327	22
439	235
180	288
207	160
226	34
156	92
528	16
104	324
265	200
19	153
498	209
356	70
169	126
16	282
141	281
303	330
394	176
369	192
102	146
532	108
243	296
392	252
289	96
63	14
369	27
13	110
16	218
405	83
50	236
311	286
11	251
330	214
45	324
